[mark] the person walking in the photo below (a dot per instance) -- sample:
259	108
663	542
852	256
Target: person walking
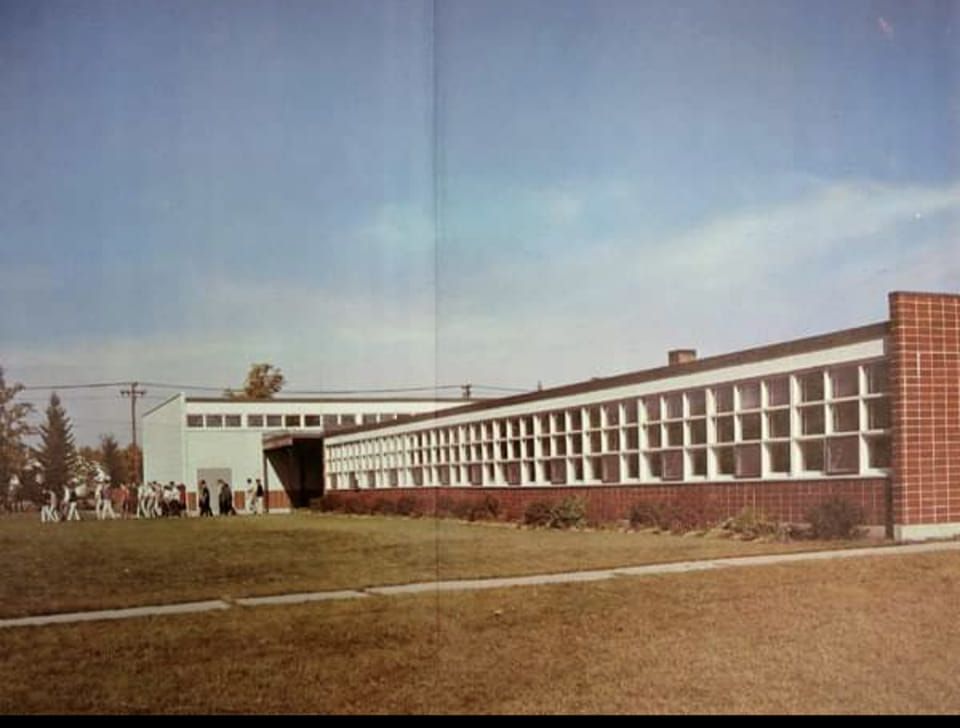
205	509
106	507
226	500
71	498
258	502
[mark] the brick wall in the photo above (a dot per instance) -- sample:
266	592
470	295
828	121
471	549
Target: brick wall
925	397
780	500
277	499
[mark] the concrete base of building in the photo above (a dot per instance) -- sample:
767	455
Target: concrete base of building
926	531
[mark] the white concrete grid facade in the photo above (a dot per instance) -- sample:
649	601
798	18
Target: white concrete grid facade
817	415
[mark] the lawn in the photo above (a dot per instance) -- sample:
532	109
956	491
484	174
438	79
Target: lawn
876	635
48	568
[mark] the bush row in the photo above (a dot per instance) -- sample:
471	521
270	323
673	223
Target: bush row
836	518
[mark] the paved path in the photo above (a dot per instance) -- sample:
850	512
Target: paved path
474	584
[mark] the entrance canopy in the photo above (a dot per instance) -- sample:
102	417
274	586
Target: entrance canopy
297	459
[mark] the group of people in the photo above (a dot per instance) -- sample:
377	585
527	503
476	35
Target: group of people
253	500
147	500
144	500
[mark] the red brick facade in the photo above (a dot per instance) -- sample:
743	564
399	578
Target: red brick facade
924	357
780	500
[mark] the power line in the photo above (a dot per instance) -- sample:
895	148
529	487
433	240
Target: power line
358	390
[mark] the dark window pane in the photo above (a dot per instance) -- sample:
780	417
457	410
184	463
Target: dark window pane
675	434
194	420
843	455
697	402
778	391
846	417
674	406
779	453
750	427
673	465
725	460
698	462
811	387
725	430
749	395
778	423
232	421
653	436
214	421
748	461
845	382
652	407
723	396
654	464
877	377
311	420
698	432
812	455
878	414
630	410
812	420
879	452
254	420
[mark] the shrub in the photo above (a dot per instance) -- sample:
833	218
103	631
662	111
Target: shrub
835	518
571	512
486	510
328	503
462	509
650	515
444	506
406	506
538	513
751	523
355	507
384	506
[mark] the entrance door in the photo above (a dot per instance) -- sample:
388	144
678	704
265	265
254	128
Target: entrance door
212	475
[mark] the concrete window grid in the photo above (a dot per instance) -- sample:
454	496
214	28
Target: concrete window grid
675	436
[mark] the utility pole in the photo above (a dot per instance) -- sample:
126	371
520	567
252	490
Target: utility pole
133	393
466	390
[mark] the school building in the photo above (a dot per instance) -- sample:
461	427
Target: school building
280	441
871	414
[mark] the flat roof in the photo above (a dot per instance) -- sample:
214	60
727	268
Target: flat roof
316	400
286	438
745	356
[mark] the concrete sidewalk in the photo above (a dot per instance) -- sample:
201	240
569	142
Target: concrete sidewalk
475	584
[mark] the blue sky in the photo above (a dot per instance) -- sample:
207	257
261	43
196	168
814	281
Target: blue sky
391	194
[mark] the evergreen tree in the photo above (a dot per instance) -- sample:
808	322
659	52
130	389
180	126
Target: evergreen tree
57	453
13	429
113	460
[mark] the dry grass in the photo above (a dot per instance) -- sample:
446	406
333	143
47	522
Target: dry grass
91	565
849	636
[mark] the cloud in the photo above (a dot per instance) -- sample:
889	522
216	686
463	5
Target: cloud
885	27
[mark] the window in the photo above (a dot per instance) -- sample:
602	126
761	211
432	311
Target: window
673	465
846	417
652	407
698	462
560	445
811	387
845	382
878	452
577	444
633	439
232	421
724	429
595	442
348	419
576	420
843	455
698	432
811	420
675	434
750	427
194	420
779	456
254	420
613	441
654	464
630	410
311	421
811	455
878	414
748	461
876	377
612	412
778	392
369	419
611	469
329	421
697	402
214	420
545	446
633	466
778	423
725	460
594	417
674	406
723	397
558	472
653	436
291	421
749	395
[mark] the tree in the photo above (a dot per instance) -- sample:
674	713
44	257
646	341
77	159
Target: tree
113	460
133	461
14	452
263	381
57	453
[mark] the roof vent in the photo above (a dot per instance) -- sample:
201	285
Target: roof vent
681	356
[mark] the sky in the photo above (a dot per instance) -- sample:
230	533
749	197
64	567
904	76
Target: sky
399	194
